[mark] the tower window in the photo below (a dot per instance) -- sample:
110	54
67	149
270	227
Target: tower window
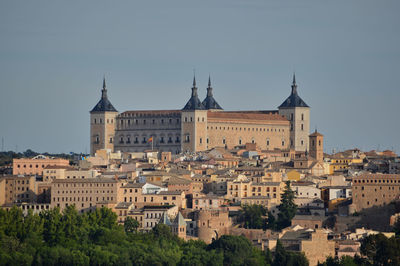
319	143
177	139
101	120
111	140
283	143
302	127
302	117
95	120
240	141
154	121
223	141
201	140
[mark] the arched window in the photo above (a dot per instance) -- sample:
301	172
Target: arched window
240	141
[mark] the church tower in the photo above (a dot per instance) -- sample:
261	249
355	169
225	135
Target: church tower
317	146
298	113
102	123
194	124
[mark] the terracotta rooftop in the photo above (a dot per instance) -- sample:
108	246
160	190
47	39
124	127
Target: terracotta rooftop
245	116
140	113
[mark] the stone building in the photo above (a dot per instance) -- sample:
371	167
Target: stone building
17	189
371	190
199	126
36	165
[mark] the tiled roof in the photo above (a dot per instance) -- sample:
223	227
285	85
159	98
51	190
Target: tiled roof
140	113
237	115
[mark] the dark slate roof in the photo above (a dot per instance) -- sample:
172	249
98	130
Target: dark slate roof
194	102
209	102
294	99
104	105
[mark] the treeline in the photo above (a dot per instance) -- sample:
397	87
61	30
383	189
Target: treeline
6	157
95	238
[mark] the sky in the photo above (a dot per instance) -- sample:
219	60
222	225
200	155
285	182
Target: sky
53	55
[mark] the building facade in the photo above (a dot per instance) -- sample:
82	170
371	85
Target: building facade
199	126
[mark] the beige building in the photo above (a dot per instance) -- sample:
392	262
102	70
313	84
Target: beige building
243	188
199	126
371	190
85	194
17	189
314	243
36	165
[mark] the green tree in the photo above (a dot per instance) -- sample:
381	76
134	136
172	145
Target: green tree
287	208
288	258
131	225
253	216
237	250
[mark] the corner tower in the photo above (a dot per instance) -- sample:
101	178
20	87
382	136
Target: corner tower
298	113
194	123
209	102
102	123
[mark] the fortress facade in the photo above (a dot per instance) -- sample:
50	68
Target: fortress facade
199	125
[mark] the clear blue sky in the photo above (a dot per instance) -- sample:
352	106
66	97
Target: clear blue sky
53	55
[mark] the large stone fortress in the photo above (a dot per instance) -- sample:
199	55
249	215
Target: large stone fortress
199	126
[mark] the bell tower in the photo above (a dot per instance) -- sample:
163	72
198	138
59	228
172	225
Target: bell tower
102	123
317	146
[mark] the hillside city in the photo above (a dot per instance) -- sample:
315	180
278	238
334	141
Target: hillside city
204	174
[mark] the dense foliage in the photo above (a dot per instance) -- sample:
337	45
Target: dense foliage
253	216
375	250
95	238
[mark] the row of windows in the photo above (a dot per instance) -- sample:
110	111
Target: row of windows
100	121
30	166
86	185
191	119
376	181
145	199
77	192
144	140
144	121
267	189
187	139
61	199
19	182
247	128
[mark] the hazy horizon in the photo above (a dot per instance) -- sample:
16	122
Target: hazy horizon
54	55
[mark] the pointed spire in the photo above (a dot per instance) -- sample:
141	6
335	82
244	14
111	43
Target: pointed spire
294	85
194	80
194	88
104	90
209	89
